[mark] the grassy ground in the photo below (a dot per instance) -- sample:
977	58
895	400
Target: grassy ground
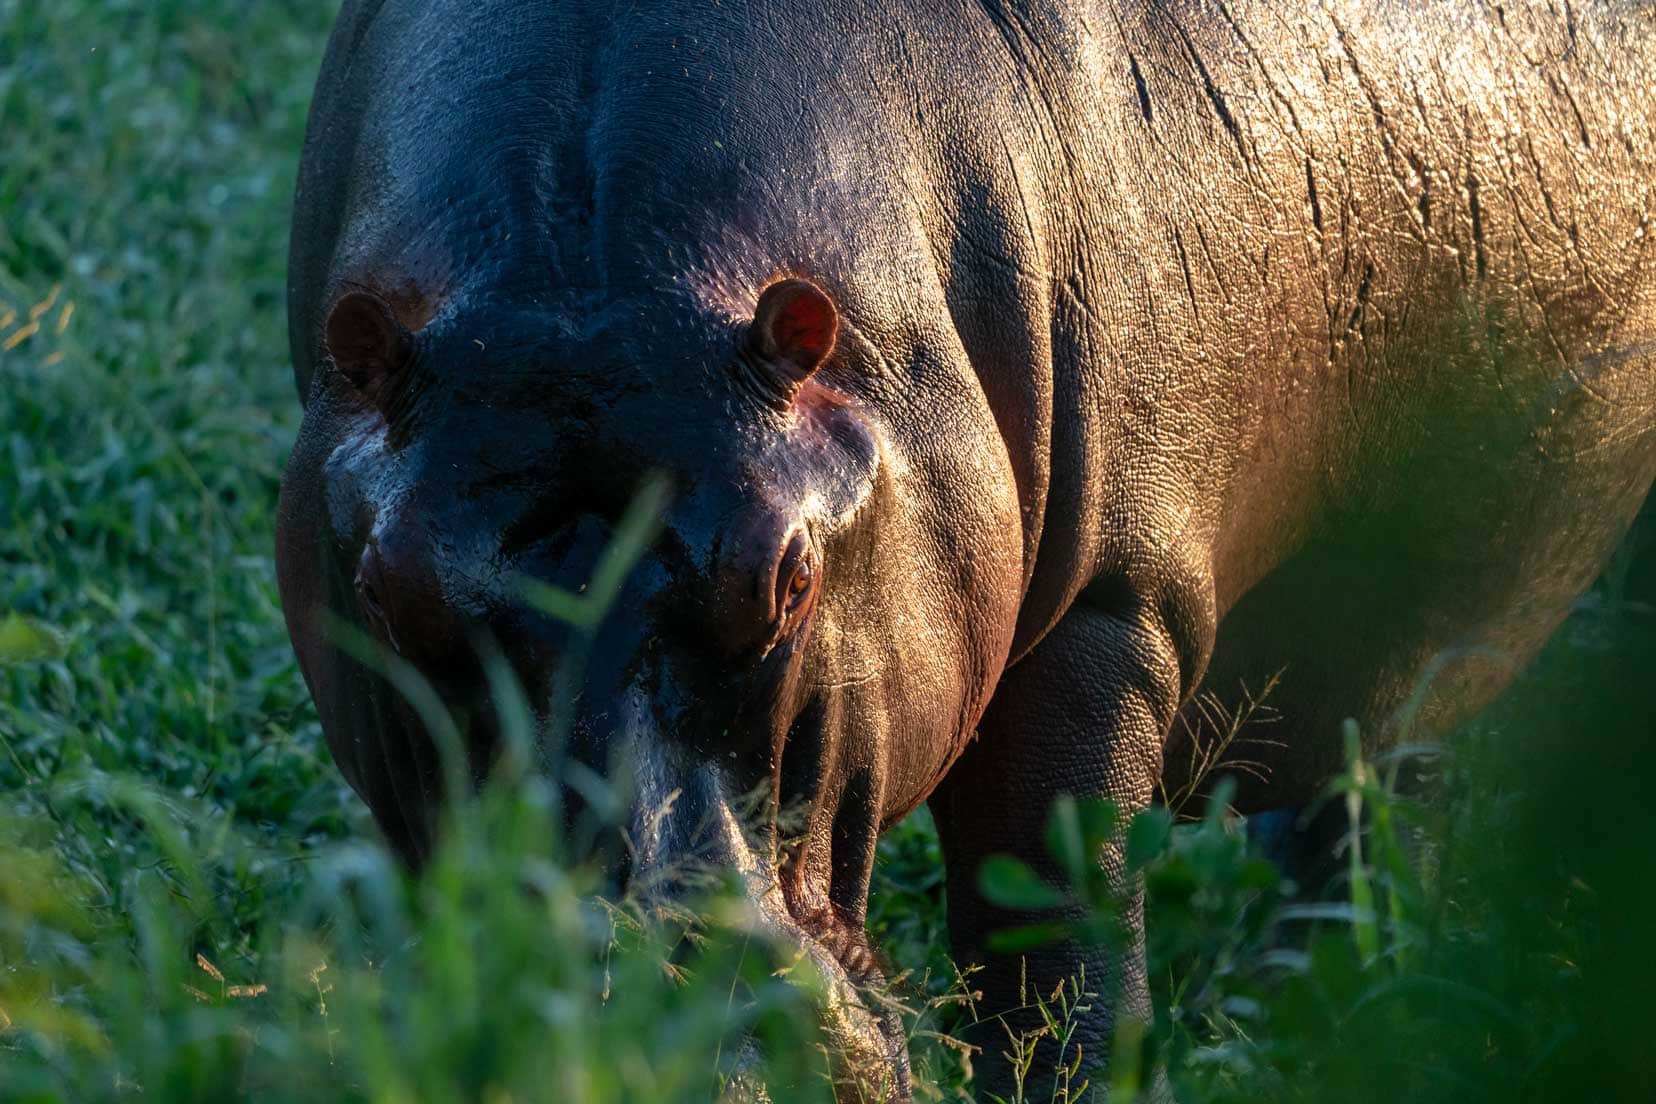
188	911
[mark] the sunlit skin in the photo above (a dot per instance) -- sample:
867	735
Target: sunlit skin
1017	372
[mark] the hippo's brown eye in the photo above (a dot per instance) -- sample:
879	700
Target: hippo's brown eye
795	576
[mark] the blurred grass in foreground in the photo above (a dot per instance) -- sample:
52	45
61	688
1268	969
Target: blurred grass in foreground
1490	941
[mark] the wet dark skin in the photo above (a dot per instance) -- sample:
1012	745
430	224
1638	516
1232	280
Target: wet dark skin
1018	373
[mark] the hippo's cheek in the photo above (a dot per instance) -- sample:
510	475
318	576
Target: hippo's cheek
302	569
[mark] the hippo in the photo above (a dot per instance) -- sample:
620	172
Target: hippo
1017	372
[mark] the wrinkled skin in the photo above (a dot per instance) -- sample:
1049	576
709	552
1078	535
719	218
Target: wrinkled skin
1173	347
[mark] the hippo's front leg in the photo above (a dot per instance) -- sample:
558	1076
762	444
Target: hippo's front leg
1085	713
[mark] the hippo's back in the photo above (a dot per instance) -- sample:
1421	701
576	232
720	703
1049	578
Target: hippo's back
1414	244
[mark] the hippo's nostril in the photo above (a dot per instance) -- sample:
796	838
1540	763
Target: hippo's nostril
369	595
403	602
370	600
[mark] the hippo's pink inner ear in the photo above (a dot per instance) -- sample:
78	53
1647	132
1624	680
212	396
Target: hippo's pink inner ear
795	322
365	339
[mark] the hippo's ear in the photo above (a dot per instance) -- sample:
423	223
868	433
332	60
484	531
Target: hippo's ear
794	327
365	340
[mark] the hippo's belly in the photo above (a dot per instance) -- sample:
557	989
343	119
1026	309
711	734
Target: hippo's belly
1414	600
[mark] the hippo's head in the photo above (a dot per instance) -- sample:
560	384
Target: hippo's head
816	620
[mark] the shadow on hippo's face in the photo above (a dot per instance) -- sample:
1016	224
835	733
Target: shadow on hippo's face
434	494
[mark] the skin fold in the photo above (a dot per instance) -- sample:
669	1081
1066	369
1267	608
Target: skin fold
1089	357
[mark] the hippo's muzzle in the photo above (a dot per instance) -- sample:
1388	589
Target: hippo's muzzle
687	825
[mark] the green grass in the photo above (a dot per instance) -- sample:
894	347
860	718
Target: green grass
191	904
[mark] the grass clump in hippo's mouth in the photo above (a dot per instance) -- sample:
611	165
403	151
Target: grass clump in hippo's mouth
825	955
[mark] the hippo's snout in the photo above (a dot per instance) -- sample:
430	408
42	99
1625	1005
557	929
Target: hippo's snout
685	821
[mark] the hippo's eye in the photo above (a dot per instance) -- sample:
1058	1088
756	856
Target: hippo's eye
795	576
